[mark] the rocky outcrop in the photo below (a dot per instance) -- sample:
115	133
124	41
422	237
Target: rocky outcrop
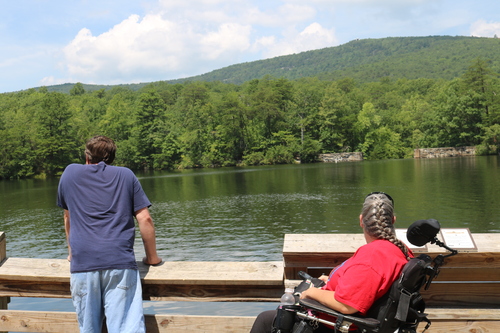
341	157
444	152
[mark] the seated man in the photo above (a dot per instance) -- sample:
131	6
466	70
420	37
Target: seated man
357	283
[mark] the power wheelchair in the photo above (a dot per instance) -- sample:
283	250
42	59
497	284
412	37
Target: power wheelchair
399	310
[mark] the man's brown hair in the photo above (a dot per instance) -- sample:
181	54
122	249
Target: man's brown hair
100	148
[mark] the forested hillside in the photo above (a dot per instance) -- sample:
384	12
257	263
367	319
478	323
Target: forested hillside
367	60
263	121
266	120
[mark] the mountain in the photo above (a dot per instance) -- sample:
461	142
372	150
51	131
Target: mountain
435	57
365	60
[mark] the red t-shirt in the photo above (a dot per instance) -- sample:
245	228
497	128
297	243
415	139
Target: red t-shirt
367	275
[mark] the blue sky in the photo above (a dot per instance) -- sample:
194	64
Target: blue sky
47	42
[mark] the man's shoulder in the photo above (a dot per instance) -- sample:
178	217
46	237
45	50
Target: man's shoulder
73	168
81	169
120	169
74	165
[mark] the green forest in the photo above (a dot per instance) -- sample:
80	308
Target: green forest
368	60
364	60
266	120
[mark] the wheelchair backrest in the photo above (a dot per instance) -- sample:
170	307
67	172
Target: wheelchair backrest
403	304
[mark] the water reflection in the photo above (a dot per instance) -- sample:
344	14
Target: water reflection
243	213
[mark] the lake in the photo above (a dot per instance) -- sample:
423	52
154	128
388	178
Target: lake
242	214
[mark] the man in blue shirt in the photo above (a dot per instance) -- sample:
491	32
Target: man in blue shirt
100	202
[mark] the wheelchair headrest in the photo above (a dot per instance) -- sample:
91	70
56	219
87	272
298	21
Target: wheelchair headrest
422	232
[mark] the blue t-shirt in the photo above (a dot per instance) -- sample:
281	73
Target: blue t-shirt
101	200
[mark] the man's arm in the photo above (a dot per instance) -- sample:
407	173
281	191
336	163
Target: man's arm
147	229
327	298
66	228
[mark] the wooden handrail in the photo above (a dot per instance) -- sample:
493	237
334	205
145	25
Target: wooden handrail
211	281
195	281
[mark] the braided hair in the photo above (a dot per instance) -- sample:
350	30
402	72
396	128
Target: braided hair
377	217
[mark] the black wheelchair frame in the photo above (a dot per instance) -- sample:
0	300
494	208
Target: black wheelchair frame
399	310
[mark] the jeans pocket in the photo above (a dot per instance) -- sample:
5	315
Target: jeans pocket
123	279
123	287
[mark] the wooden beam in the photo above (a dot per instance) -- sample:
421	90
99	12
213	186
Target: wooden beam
444	314
33	269
332	259
462	295
38	288
443	321
38	321
176	272
349	243
454	326
182	324
214	273
447	273
304	251
214	281
213	293
198	281
4	301
160	292
3	247
63	322
29	277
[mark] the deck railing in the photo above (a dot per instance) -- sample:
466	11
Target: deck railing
465	305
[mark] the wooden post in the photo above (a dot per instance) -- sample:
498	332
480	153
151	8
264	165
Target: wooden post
3	247
3	255
4	301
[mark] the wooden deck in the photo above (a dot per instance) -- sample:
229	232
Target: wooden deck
193	281
66	322
254	281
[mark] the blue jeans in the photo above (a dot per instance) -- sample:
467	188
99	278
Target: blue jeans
114	294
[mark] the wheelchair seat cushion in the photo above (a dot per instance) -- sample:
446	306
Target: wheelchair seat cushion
358	320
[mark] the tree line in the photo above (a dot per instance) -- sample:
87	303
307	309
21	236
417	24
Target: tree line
262	121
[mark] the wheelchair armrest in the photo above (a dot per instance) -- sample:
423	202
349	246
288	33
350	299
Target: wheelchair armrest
358	320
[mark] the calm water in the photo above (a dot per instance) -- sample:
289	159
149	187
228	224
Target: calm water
242	214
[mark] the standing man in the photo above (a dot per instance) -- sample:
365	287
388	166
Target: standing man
100	202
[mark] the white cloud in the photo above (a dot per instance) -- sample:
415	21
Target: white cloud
481	28
51	80
312	37
153	46
168	45
131	47
229	38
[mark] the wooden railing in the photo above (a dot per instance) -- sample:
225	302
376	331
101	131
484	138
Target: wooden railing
249	281
172	281
465	297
